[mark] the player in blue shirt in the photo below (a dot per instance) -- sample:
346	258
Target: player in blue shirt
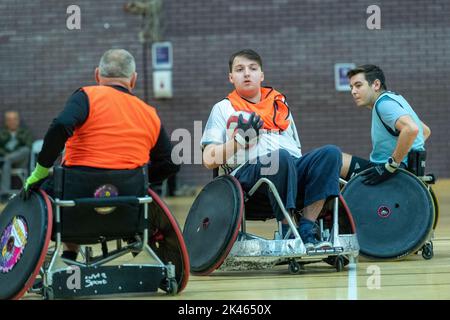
396	128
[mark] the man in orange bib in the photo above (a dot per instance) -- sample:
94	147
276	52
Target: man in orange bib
106	127
302	180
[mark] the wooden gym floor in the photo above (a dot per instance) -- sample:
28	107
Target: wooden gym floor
411	278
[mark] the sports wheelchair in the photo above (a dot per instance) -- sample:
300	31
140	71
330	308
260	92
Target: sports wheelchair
396	218
216	236
91	207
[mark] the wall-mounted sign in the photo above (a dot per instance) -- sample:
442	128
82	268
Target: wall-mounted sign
341	81
162	55
162	84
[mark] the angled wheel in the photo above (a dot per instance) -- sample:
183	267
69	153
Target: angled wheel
166	240
212	224
394	218
25	230
436	207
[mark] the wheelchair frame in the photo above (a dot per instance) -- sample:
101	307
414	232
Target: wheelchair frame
253	252
101	279
427	249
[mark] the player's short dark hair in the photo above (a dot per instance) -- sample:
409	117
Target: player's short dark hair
246	53
371	72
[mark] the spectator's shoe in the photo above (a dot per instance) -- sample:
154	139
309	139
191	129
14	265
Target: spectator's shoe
308	233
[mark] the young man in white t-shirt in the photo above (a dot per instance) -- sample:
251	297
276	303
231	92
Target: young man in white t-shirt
266	144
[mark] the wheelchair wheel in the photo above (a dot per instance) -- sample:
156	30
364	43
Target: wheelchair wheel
212	224
428	251
331	260
25	230
339	263
295	267
48	294
172	287
166	240
436	207
394	218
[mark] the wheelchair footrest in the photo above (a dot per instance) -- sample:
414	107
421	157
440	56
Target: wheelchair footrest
104	280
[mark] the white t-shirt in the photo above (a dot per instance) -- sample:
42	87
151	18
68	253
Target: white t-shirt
216	133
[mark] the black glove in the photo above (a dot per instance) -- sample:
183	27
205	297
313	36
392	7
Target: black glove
378	174
247	132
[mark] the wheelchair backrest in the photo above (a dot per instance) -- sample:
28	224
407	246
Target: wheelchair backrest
87	223
416	162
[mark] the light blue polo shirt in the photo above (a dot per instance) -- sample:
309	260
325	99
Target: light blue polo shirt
390	107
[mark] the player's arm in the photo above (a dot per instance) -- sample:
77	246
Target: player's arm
215	155
408	132
161	165
74	114
381	172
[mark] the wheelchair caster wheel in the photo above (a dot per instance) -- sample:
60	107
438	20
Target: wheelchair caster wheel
294	267
339	263
331	260
48	294
172	287
427	251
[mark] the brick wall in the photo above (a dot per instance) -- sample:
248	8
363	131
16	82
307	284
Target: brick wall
42	61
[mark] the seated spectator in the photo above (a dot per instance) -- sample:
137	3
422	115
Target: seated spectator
15	144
